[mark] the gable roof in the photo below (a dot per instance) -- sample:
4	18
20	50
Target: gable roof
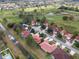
77	37
37	38
58	53
48	47
25	33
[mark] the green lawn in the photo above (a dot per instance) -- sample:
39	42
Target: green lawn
12	17
42	7
69	25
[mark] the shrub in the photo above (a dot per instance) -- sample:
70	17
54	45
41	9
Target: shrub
65	18
76	44
59	35
30	41
10	25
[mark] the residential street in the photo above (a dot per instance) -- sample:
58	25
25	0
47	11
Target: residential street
18	45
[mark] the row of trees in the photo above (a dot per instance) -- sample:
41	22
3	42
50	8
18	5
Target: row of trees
69	8
68	17
29	16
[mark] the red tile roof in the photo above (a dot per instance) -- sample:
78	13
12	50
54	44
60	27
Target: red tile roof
25	33
37	38
48	47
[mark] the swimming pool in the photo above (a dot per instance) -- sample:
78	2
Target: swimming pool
7	56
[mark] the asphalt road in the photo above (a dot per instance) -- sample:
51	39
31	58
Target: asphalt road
18	45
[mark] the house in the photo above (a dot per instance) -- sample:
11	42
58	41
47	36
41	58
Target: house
72	52
38	22
47	47
58	53
25	33
50	38
62	32
77	38
25	26
68	35
36	28
33	22
46	23
36	38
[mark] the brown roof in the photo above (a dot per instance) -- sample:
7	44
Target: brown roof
60	54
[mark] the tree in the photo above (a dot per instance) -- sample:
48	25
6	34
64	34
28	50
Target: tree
76	44
42	11
76	9
28	18
21	14
10	25
65	18
35	11
30	41
50	31
17	57
59	35
43	18
17	30
5	20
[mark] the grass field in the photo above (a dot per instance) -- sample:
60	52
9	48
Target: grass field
71	26
42	7
11	15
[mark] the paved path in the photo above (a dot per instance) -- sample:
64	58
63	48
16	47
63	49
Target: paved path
62	43
69	47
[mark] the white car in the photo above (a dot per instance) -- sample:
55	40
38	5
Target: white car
11	37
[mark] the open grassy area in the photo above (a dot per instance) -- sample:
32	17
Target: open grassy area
56	19
11	15
69	25
42	7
